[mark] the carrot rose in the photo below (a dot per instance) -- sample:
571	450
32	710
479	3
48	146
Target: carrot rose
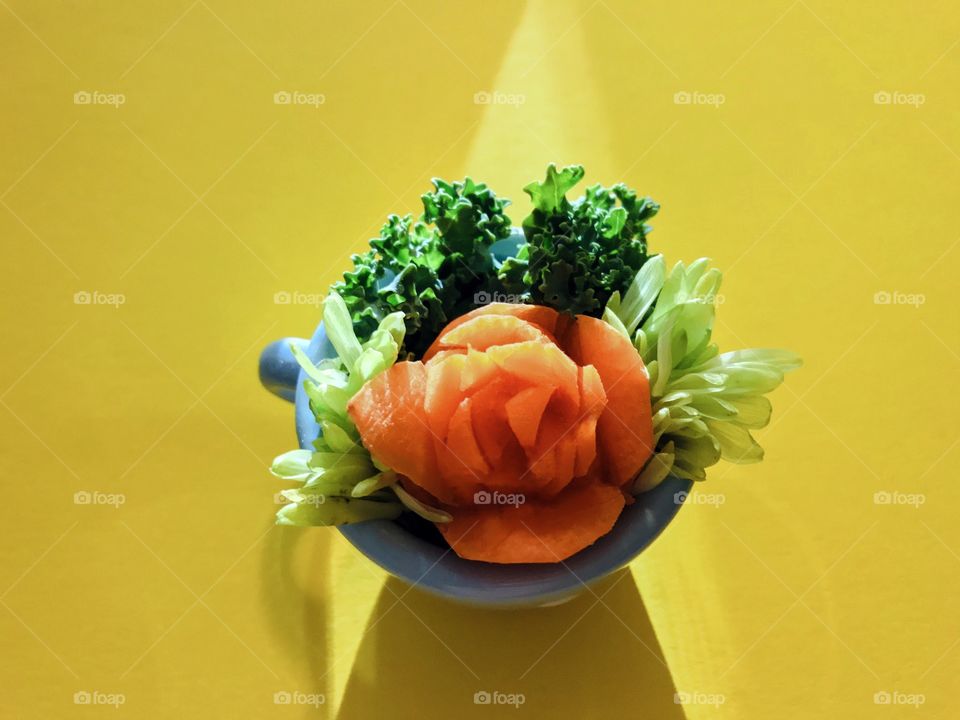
523	424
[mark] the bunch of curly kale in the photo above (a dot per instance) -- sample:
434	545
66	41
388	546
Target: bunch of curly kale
574	254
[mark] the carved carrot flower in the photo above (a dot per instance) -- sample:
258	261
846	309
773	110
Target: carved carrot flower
522	424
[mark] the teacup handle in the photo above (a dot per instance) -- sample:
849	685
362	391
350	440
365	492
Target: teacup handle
278	368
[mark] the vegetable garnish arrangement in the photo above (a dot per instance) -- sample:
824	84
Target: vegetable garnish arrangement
521	429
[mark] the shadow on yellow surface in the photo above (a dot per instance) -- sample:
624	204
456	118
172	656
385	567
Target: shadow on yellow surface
293	605
569	660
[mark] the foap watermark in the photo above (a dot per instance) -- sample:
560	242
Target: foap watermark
303	499
888	497
95	297
895	97
895	297
495	97
685	97
496	697
95	97
485	298
296	697
295	297
699	498
699	698
96	697
95	497
712	299
895	697
296	97
485	497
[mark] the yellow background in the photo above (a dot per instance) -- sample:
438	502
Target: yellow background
199	198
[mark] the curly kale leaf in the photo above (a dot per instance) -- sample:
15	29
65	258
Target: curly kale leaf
429	269
470	218
404	256
577	254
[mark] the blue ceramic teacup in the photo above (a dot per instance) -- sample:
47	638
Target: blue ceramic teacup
412	549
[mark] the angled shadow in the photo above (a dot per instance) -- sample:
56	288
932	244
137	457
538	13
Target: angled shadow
297	612
422	656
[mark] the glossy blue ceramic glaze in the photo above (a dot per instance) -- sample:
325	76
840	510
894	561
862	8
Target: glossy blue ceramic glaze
431	566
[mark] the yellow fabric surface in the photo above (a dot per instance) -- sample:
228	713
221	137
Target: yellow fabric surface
161	228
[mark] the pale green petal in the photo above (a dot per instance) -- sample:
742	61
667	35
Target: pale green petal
328	460
752	380
327	399
339	327
708	286
655	471
687	471
394	324
642	293
374	483
370	364
714	407
613	304
697	381
702	452
671	293
753	411
696	321
293	465
338	479
313	372
664	359
783	360
694	273
736	443
614	321
336	437
641	343
424	511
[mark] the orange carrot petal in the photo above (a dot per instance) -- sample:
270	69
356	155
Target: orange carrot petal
546	319
625	428
463	442
485	331
538	364
593	400
525	411
388	412
490	419
442	392
478	370
536	531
